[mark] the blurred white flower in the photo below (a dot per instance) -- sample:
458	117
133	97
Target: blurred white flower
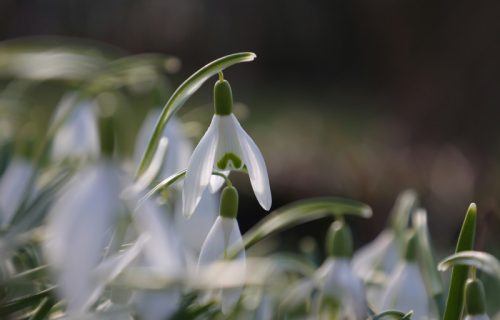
203	219
163	255
225	146
78	135
78	229
337	280
13	185
406	288
178	149
224	235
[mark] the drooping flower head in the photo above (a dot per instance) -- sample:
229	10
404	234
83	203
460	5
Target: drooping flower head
224	147
406	289
224	236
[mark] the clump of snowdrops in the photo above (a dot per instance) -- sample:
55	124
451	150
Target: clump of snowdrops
87	233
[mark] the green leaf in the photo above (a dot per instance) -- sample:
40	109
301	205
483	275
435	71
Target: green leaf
477	259
428	264
43	310
24	302
301	212
459	274
183	93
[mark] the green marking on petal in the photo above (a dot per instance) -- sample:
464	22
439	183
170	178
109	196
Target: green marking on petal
229	161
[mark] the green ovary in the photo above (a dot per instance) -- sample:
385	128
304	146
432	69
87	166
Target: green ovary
229	160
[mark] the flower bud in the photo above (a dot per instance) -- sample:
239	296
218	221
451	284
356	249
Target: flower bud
229	203
223	98
474	297
339	240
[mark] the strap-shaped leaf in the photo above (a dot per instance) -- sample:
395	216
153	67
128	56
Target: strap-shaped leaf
477	259
304	211
459	274
184	92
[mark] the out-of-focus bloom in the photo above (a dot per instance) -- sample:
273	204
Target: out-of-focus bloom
203	219
475	306
225	146
13	185
178	148
163	255
341	292
377	260
337	282
78	135
224	236
406	289
78	230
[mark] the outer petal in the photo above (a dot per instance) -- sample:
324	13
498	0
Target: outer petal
202	221
157	305
224	234
256	166
339	282
406	291
162	250
76	232
12	185
78	136
200	169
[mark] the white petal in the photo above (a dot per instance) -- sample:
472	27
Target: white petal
77	232
406	291
382	254
228	142
157	305
216	182
338	281
200	169
224	235
256	166
162	250
78	136
12	187
193	231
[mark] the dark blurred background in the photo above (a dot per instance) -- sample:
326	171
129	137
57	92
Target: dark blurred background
360	99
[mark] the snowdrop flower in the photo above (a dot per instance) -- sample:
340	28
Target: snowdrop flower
203	219
225	146
334	291
178	150
406	289
336	280
163	254
78	230
475	307
13	185
225	235
77	137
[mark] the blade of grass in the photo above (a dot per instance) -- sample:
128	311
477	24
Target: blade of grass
454	304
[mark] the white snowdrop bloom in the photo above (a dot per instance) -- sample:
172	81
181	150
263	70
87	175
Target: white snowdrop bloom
13	185
163	254
380	255
225	235
78	229
178	150
338	281
406	289
225	146
202	220
78	135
